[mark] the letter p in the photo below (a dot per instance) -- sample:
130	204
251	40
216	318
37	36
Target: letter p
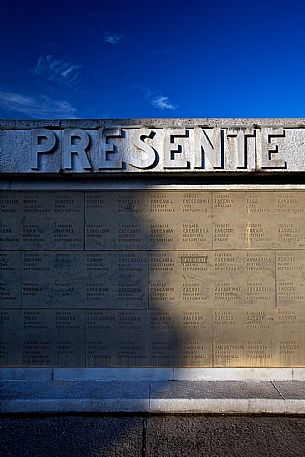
43	141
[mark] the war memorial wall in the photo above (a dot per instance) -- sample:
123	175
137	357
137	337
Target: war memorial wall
152	243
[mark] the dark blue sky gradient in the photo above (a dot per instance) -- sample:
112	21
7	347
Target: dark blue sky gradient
152	59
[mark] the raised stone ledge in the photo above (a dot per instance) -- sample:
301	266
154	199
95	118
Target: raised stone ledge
227	397
153	374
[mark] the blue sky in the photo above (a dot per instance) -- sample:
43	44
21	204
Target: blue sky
114	59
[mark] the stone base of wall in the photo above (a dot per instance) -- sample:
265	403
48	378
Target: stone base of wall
196	391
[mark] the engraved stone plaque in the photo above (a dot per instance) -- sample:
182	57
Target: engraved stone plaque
37	338
166	346
196	326
116	280
101	347
42	220
148	220
114	220
290	337
10	220
179	220
52	279
69	336
212	278
244	338
53	338
290	278
243	220
10	279
10	341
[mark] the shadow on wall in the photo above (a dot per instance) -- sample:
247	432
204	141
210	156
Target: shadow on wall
110	279
92	281
138	291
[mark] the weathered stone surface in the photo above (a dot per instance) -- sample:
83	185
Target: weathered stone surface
152	145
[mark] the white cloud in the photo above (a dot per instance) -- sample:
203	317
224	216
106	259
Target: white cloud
163	103
36	107
113	38
60	71
160	102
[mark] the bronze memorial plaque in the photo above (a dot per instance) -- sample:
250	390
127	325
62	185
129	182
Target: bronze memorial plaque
152	278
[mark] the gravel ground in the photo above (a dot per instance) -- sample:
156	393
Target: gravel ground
135	435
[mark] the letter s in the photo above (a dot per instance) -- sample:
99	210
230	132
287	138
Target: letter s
150	158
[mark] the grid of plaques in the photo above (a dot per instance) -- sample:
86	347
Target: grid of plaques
152	278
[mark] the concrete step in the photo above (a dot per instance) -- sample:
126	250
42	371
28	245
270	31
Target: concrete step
198	397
